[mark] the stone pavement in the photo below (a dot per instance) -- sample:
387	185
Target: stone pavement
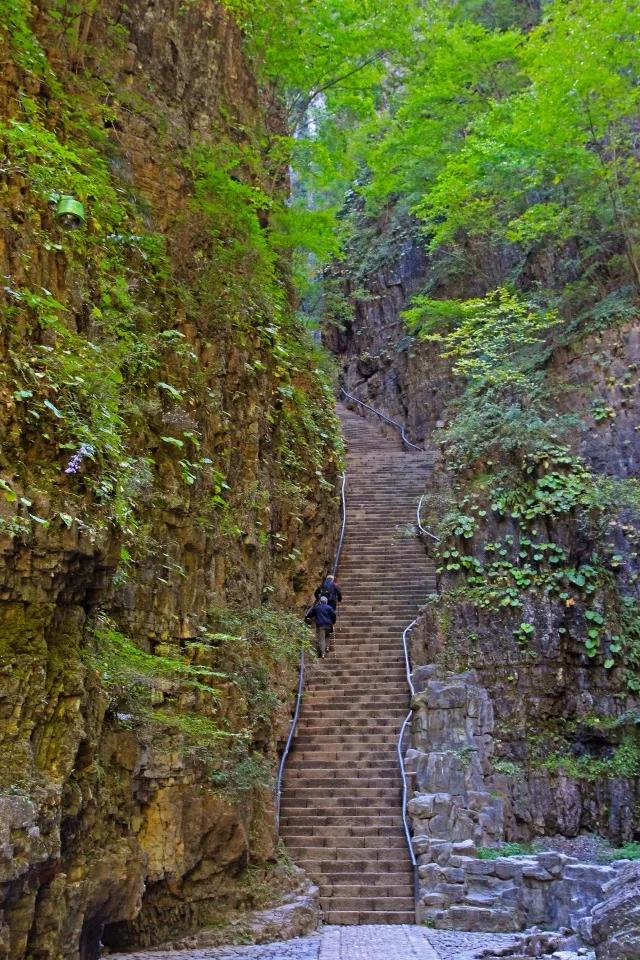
302	948
367	942
376	942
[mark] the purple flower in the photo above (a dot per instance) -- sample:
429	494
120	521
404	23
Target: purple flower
86	450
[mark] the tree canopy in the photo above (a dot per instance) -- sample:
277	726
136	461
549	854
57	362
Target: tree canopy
503	121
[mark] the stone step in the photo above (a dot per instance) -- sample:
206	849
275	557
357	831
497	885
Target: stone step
304	772
373	904
401	876
337	668
325	846
336	760
350	699
378	801
356	694
386	700
351	862
321	727
312	767
359	661
323	819
402	889
338	831
352	720
376	623
328	798
344	778
355	705
345	659
321	715
387	608
345	649
351	744
343	759
345	763
337	679
347	918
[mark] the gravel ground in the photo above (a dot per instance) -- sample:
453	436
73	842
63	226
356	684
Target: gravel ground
586	847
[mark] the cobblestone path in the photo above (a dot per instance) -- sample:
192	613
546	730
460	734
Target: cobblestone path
369	942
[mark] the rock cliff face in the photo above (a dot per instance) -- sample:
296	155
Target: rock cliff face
380	363
167	481
526	726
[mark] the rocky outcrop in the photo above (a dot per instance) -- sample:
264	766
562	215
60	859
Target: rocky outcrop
167	486
294	914
380	363
615	927
540	693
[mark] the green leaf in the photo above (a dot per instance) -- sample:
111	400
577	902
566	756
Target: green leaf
172	391
594	616
9	494
40	520
53	408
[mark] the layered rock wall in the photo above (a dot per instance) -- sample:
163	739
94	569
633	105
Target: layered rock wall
167	482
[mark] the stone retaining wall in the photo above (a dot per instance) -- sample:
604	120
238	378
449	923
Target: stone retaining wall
453	812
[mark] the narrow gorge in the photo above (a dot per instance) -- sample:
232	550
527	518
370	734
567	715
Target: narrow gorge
294	286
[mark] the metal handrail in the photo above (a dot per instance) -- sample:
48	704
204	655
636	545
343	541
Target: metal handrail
421	529
343	501
394	423
405	820
403	769
407	658
300	691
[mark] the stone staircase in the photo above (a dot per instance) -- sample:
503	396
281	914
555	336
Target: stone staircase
341	807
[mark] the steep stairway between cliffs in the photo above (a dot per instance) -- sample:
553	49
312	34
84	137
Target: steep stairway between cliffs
341	813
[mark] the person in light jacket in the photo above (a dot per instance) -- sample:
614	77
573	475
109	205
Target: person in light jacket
324	616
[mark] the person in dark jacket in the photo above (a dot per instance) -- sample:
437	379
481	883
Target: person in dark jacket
324	616
330	590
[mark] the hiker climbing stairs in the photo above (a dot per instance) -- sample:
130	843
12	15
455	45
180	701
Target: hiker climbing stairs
341	814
